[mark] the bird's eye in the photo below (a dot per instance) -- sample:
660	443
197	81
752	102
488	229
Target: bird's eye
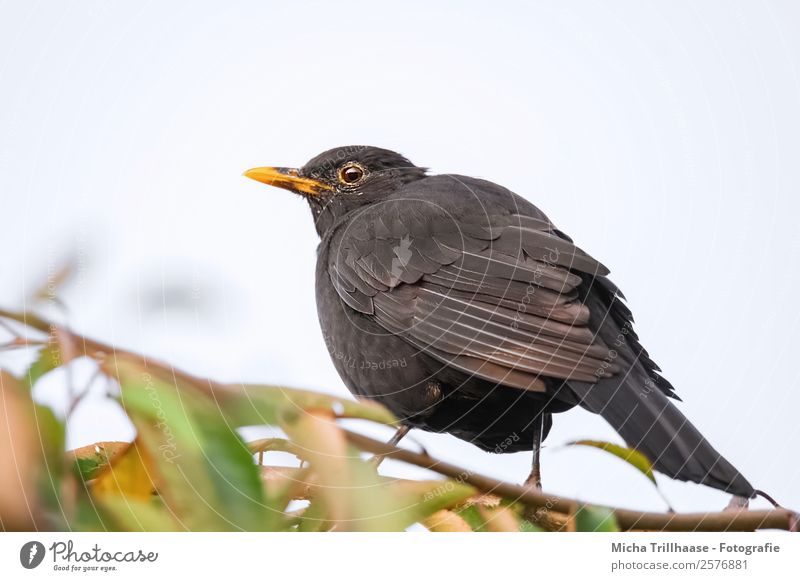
351	173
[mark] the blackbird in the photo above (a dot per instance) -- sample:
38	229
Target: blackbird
459	306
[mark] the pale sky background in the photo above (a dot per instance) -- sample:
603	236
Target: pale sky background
663	137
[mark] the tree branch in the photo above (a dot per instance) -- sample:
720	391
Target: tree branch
745	520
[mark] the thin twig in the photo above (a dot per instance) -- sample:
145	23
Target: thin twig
20	343
95	349
76	398
10	329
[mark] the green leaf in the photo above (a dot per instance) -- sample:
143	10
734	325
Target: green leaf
527	526
132	515
314	518
48	359
472	516
595	519
255	405
52	439
415	501
629	455
201	467
90	459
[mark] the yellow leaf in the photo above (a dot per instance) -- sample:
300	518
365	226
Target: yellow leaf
446	521
499	519
130	473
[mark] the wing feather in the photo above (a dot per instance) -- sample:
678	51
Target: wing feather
494	294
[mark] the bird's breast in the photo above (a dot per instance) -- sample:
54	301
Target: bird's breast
372	362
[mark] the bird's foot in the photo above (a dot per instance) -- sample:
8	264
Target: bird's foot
738	503
534	479
377	459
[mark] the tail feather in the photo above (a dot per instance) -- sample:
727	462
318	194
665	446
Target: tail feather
650	423
636	402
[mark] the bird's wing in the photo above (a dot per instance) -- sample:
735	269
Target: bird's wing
482	283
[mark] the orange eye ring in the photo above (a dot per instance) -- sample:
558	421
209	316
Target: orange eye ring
351	173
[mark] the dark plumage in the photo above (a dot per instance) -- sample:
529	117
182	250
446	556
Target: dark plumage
459	305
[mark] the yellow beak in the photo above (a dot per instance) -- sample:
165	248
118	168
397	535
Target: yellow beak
288	179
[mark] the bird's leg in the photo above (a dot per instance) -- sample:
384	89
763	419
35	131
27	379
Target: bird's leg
398	435
535	477
541	516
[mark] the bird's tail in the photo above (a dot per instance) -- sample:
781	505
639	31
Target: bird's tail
636	402
652	424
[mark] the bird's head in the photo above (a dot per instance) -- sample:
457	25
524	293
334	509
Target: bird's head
342	179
